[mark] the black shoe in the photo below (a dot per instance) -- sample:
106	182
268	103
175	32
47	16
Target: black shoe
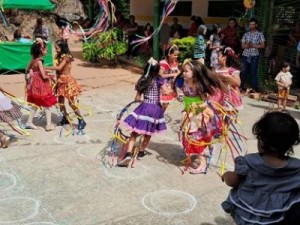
141	154
126	159
63	121
81	124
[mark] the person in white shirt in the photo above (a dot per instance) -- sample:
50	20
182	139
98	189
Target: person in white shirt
284	82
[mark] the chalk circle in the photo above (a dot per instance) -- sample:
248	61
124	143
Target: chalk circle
123	173
169	202
90	152
40	223
18	209
7	181
71	139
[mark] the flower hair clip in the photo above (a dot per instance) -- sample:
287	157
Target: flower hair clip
229	51
152	62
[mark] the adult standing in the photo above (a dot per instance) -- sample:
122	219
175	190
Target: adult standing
40	31
176	27
252	42
131	30
231	35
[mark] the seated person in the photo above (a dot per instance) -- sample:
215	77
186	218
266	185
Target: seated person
18	38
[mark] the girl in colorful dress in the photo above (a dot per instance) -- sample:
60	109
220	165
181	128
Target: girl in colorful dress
214	44
9	112
199	84
67	86
229	73
169	69
265	185
200	45
148	118
39	90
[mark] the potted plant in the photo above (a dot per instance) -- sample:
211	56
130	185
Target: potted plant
105	46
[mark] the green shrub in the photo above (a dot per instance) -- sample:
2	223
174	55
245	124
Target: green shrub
106	45
186	47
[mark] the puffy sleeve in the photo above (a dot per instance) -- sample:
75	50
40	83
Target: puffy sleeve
241	166
160	81
165	66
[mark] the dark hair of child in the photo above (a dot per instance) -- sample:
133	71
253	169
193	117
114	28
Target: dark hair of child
36	50
171	50
276	133
284	65
215	28
206	81
64	49
147	78
232	60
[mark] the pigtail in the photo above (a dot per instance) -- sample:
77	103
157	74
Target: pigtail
150	72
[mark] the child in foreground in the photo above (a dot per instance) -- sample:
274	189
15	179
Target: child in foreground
266	185
148	118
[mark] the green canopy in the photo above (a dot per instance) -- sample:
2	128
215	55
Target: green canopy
28	4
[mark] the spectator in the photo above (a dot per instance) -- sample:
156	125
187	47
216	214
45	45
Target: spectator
200	45
176	27
176	35
232	34
147	46
197	21
18	38
40	31
252	42
214	45
131	30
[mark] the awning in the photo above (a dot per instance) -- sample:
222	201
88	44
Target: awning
27	4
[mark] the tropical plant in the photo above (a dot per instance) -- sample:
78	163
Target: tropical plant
106	45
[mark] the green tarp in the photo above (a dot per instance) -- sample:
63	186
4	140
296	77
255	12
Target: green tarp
16	56
28	4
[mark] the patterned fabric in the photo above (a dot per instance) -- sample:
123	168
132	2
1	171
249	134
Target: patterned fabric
216	42
67	86
168	82
200	47
254	38
232	37
285	78
9	110
266	193
39	91
148	117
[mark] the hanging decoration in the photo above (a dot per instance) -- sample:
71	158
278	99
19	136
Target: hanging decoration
167	10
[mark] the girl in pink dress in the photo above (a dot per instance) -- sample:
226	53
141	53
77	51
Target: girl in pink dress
230	75
39	90
168	71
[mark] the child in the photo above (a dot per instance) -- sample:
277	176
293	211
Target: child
200	84
67	86
215	45
229	73
9	112
266	184
200	45
284	82
39	90
168	71
148	118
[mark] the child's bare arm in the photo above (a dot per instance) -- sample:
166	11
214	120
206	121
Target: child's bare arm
232	179
280	84
138	97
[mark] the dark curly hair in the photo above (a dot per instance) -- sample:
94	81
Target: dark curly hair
277	132
36	49
150	73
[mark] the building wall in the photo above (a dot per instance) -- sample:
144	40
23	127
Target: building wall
143	11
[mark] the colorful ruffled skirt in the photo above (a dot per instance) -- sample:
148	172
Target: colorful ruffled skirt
67	86
9	110
147	119
40	92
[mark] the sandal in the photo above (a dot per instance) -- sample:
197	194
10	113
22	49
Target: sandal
4	141
199	170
